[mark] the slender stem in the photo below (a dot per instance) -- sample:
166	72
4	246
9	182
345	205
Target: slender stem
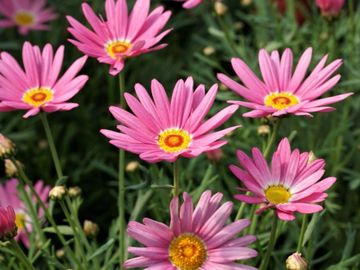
121	179
176	175
272	138
51	145
48	215
272	240
30	205
302	234
20	254
76	230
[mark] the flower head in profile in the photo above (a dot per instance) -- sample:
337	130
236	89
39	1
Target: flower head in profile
190	3
196	238
283	91
38	86
120	36
8	228
291	184
159	129
26	15
330	7
9	195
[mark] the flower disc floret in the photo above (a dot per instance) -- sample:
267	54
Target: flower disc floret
37	97
117	49
277	194
174	140
187	252
24	18
281	101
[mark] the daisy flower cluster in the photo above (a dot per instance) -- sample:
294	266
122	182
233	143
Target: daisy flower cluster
164	125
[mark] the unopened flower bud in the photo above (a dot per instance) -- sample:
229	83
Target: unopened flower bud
296	262
220	8
132	166
10	168
263	130
223	87
209	50
57	193
246	2
90	228
60	253
215	155
7	147
238	25
8	228
312	157
74	192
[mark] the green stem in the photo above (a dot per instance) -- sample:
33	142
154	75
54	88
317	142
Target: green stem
302	234
76	230
30	206
272	138
176	175
48	215
20	254
51	145
271	245
121	179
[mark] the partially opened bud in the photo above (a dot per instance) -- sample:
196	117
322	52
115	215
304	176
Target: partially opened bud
57	193
209	50
263	130
8	229
220	8
10	168
74	192
312	157
330	8
90	228
132	166
296	262
215	155
7	147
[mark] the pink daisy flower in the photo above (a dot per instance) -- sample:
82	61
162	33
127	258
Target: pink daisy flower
196	238
121	36
26	15
38	87
330	7
160	129
282	91
9	195
290	184
7	223
190	3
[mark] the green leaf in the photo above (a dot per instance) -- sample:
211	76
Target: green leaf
101	249
63	229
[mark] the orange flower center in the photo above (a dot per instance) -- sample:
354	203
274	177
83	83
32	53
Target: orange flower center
116	49
173	140
187	252
281	101
37	97
24	18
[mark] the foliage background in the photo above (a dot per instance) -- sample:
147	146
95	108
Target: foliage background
333	240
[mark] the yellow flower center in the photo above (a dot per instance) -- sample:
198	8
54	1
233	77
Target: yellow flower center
187	252
116	49
37	97
24	18
277	194
20	219
173	140
281	101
